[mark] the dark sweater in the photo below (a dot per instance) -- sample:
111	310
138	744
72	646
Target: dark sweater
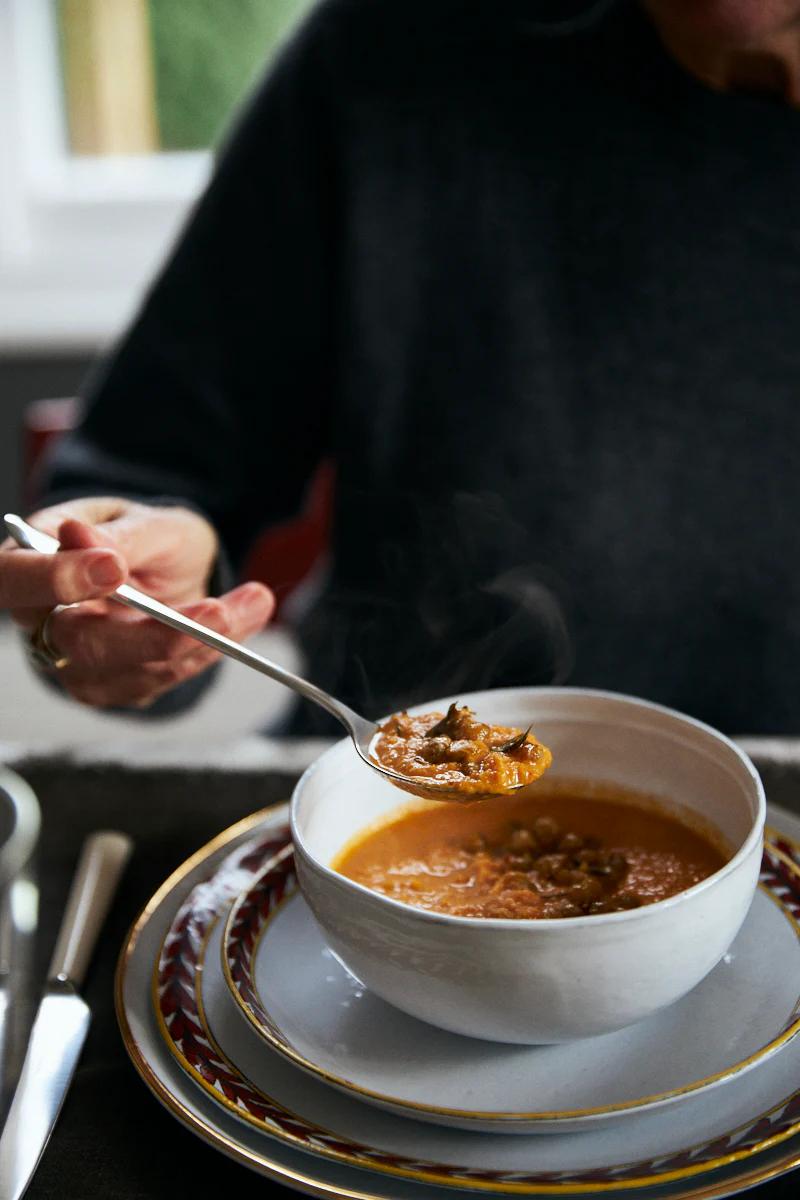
538	297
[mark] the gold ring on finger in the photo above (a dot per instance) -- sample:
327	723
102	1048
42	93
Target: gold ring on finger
41	646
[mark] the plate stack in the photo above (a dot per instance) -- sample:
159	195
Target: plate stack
249	1029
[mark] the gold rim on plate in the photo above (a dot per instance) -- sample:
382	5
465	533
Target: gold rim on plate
222	1080
212	1135
269	1030
206	1132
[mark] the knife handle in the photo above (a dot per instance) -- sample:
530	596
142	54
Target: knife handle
103	859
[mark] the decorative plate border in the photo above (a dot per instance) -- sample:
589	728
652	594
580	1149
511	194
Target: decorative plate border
257	906
182	1023
260	1160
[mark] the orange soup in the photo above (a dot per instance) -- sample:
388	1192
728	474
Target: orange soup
568	853
458	751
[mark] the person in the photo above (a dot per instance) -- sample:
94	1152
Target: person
532	286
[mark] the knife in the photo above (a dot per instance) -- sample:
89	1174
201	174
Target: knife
62	1021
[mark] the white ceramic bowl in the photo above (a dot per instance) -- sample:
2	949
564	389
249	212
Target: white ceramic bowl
532	981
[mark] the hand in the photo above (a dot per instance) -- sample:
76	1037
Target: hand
118	657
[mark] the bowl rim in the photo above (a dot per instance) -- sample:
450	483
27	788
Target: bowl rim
753	839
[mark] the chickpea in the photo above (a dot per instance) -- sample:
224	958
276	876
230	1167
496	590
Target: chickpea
546	831
548	864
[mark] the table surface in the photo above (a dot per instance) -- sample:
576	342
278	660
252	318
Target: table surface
113	1140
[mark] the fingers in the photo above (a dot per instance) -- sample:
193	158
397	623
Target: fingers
77	535
249	608
97	640
139	534
118	657
32	580
91	510
147	536
105	641
167	551
123	659
89	568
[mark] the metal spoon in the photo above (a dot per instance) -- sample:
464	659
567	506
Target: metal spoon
362	731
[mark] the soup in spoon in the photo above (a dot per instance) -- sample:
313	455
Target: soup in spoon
460	753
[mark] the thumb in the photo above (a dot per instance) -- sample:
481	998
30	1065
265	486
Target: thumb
76	535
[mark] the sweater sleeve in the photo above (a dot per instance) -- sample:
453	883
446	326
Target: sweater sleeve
220	393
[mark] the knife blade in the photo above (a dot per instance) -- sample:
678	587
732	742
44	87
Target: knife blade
63	1017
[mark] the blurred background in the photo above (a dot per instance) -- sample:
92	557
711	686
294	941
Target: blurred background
110	112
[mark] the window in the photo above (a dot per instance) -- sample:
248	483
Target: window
108	113
148	75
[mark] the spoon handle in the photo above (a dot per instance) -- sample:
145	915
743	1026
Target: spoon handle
32	539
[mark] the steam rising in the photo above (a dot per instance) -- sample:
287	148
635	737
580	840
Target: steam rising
454	602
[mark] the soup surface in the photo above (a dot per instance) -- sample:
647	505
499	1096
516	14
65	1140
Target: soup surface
565	854
461	752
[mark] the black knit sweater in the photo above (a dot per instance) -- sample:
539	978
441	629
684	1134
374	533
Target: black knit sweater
537	295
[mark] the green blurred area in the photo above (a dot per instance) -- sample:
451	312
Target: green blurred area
207	54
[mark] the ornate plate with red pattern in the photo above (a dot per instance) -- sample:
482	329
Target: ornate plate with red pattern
308	1007
188	1039
295	1129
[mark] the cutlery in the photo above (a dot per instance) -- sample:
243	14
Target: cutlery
361	731
62	1021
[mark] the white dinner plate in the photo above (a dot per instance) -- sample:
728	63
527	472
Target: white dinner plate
308	1006
691	1150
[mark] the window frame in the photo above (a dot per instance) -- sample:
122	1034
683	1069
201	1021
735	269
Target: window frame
80	237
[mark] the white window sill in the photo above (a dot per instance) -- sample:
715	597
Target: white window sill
94	233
